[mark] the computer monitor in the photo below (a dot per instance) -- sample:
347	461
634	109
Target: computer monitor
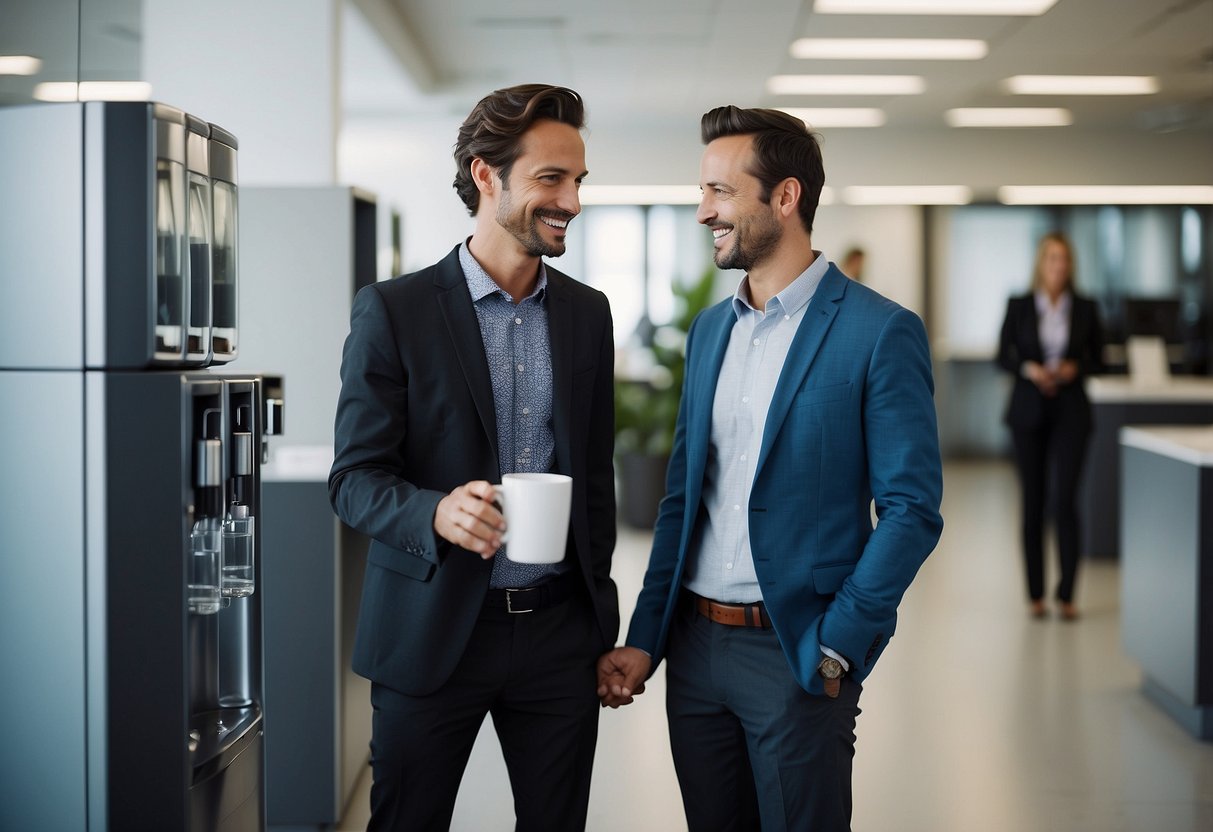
1158	317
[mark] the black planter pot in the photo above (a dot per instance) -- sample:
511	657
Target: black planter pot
641	487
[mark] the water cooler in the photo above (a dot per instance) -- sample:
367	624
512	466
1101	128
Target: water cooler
130	596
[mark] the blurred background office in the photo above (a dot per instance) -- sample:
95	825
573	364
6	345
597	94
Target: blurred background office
955	134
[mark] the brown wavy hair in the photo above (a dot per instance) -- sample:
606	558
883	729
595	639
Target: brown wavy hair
783	148
493	130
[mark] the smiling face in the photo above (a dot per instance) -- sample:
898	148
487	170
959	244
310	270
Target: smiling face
539	197
744	226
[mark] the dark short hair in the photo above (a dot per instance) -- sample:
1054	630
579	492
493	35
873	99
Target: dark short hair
783	147
493	130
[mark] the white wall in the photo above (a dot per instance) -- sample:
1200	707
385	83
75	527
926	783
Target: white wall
266	71
409	165
891	237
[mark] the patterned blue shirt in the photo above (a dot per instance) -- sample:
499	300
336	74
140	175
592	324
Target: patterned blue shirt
519	353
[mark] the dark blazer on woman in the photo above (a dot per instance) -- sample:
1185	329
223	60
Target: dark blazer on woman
416	419
1020	342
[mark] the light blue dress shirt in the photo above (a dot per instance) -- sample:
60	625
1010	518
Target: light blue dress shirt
723	569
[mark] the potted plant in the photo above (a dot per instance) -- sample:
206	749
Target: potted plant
646	408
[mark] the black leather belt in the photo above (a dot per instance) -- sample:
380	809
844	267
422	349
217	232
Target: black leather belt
532	598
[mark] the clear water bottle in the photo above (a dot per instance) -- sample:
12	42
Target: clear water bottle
205	566
238	548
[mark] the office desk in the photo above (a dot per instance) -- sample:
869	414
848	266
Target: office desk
1116	402
1167	568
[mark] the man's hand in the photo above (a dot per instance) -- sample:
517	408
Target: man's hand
621	675
468	518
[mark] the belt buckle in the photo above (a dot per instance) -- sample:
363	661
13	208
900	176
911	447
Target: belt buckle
509	600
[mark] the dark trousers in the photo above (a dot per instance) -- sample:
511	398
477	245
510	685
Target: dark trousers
1051	455
534	673
751	748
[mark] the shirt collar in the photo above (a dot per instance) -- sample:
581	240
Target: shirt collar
1043	306
795	295
480	285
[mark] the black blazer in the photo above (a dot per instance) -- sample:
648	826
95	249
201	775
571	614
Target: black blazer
415	419
1020	342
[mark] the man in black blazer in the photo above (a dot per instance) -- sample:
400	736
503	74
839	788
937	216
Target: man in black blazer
485	363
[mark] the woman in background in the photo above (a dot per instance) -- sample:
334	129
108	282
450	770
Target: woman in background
1051	340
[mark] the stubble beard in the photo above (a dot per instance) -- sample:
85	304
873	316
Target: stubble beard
524	229
755	239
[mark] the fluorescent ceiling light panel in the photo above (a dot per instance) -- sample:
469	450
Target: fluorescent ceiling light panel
816	117
957	7
1106	194
890	49
93	91
1082	84
1009	117
19	65
846	85
907	195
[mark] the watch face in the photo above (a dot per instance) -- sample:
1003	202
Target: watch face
830	668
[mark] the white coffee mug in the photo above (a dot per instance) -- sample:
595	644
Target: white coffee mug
536	508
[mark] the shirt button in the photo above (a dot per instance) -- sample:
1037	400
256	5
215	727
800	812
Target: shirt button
728	566
518	320
520	368
756	342
736	508
743	457
745	399
526	411
787	317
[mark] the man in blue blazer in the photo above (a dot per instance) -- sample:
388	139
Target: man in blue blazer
488	362
807	397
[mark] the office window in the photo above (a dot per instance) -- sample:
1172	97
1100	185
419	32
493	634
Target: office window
1127	257
635	255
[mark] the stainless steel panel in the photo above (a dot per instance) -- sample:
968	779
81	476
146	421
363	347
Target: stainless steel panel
41	250
42	652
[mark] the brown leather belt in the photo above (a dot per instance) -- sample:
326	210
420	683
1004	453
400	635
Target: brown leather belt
733	615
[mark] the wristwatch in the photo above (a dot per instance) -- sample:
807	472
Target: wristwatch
831	671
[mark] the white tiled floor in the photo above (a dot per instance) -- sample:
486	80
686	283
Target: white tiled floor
977	718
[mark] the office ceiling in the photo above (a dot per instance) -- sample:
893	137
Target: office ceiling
657	61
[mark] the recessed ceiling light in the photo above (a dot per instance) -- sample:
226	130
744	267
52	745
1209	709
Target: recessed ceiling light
1081	84
93	91
958	7
1106	194
1008	117
907	195
846	84
19	65
891	49
816	117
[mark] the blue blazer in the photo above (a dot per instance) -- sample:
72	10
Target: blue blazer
852	420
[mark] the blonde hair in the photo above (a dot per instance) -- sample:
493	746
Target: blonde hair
1037	272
